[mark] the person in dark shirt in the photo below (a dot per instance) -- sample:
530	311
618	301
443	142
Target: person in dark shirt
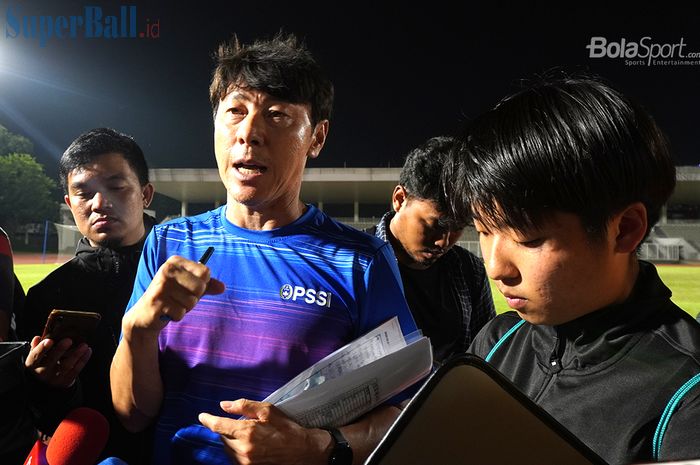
564	180
31	396
446	286
105	177
7	284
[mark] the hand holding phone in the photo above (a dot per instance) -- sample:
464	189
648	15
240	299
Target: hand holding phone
53	359
78	326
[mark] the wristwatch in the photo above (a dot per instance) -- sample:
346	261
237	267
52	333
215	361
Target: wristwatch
342	452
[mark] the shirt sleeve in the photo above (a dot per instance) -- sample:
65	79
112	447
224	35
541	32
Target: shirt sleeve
480	344
384	298
148	266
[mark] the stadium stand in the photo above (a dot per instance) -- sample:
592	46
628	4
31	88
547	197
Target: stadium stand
366	191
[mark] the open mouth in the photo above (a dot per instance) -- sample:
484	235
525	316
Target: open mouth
249	168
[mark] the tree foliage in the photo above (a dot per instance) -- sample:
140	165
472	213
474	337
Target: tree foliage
26	193
14	143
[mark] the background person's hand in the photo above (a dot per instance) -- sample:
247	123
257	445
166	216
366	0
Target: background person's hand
268	436
57	363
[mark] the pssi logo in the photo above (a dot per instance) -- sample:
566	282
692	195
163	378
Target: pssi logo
310	296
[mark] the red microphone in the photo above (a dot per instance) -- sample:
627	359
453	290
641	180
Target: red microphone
79	438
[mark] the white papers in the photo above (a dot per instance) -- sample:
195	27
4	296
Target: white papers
355	378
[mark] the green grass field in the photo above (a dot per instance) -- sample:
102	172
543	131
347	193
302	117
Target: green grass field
29	275
684	281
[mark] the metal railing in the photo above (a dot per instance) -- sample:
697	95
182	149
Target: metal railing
657	252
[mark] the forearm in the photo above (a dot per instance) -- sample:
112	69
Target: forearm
136	383
365	434
267	435
137	387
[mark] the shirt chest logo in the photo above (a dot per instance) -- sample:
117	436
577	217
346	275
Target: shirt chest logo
310	296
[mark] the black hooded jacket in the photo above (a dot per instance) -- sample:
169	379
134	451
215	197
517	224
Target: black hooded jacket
608	376
97	279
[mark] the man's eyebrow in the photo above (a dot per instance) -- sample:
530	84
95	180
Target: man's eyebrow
237	95
243	96
114	177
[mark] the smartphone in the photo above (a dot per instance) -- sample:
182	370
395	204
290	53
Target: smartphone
79	326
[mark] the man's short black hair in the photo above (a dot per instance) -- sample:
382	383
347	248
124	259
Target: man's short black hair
281	67
571	144
102	141
421	176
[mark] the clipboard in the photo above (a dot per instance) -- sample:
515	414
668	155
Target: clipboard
10	351
469	413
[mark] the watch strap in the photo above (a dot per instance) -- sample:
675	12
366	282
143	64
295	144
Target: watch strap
342	452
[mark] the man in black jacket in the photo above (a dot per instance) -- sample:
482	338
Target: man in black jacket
565	179
105	177
445	285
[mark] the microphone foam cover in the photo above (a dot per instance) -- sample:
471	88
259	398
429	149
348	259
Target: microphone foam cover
79	438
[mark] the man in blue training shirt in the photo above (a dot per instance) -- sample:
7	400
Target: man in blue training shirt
291	285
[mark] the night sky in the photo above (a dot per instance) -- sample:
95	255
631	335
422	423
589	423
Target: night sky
401	74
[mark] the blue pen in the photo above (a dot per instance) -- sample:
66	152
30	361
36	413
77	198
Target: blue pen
203	260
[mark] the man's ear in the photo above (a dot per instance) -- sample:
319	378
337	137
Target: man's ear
319	138
148	190
66	198
398	198
631	226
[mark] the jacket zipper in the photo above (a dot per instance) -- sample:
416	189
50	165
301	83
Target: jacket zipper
554	367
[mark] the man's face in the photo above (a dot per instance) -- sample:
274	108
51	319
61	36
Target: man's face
555	274
261	145
107	201
420	239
